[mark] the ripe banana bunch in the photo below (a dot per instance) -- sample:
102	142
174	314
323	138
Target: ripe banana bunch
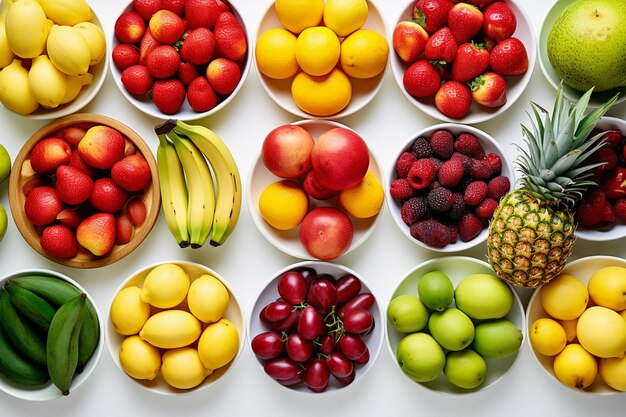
200	184
48	331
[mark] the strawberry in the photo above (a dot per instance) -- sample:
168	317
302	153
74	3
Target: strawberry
230	37
77	162
453	99
223	75
475	192
401	189
591	209
509	57
129	27
608	217
124	55
409	40
73	186
469	227
421	174
166	26
146	8
421	79
499	22
606	156
176	6
489	89
168	95
414	209
198	46
442	143
465	21
222	6
404	163
471	60
107	196
163	61
432	15
481	4
201	13
468	144
200	95
70	217
612	137
498	187
441	46
486	208
495	163
137	80
147	45
59	241
620	210
450	173
187	73
431	232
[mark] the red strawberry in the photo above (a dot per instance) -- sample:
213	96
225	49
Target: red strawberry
509	57
129	27
222	6
432	15
409	40
77	162
498	187
465	21
166	26
469	227
146	8
468	144
481	4
132	173
495	162
163	61
421	174
201	13
200	95
421	79
414	209
486	208
176	6
223	75
147	45
198	47
608	217
404	163
471	60
441	46
442	143
489	89
401	189
73	186
612	137
475	192
168	95
453	99
107	196
124	55
450	173
499	22
431	232
70	217
187	72
606	156
620	210
230	36
59	241
590	209
137	79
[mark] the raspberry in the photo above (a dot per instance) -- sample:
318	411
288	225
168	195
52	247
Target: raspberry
469	227
498	187
464	158
475	193
437	162
454	232
404	163
442	143
608	217
486	208
495	163
431	232
620	210
469	145
414	209
458	207
401	189
421	173
479	169
440	199
421	148
450	173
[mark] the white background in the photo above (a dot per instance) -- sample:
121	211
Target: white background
247	261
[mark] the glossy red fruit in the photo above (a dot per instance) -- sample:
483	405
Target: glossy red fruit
409	40
421	79
168	95
338	365
348	286
107	196
358	321
166	27
70	217
441	46
275	311
201	13
42	205
465	21
509	57
322	294
136	210
137	79
146	8
432	14
199	46
471	60
73	186
292	287
314	189
163	61
124	56
364	300
310	323
48	154
499	21
453	99
298	348
129	27
353	346
267	345
59	241
489	89
281	368
200	96
316	375
124	229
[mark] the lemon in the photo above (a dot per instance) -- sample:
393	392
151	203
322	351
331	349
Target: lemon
435	290
364	200
613	372
170	329
183	369
607	287
345	16
207	298
94	36
565	297
602	332
317	50
283	204
165	286
139	359
364	54
547	336
128	312
575	367
297	15
570	329
322	96
218	344
275	53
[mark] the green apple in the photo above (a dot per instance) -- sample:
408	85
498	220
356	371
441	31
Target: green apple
483	296
420	357
435	290
465	369
5	164
3	221
451	328
586	44
407	313
497	338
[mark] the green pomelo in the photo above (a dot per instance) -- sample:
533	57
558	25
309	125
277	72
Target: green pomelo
435	290
407	313
465	369
497	338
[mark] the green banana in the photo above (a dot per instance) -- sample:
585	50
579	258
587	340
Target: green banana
18	369
32	306
228	179
200	190
57	292
63	340
173	191
23	336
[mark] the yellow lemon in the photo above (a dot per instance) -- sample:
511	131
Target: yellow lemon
602	332
128	311
218	344
165	286
565	297
297	15
364	54
170	329
183	369
139	359
607	287
283	204
345	16
364	200
570	329
317	50
613	372
575	367
275	53
322	96
547	336
207	298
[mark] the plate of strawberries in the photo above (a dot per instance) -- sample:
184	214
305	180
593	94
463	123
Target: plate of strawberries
463	62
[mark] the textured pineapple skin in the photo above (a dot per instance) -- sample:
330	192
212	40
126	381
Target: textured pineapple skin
530	239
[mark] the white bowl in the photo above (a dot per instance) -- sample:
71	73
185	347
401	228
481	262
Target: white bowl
582	269
288	241
363	90
49	391
457	268
234	314
145	104
597	98
477	113
490	145
270	293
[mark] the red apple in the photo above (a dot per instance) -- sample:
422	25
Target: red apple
42	205
326	232
102	146
48	154
340	158
286	151
409	40
70	217
77	162
72	135
314	189
59	241
129	27
123	229
97	233
136	211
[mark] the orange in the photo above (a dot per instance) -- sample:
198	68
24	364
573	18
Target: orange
283	204
365	199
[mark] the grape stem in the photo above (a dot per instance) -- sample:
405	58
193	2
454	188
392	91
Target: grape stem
336	326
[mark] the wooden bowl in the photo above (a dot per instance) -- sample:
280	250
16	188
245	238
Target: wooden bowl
22	172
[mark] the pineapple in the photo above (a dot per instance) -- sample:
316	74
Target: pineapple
532	230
